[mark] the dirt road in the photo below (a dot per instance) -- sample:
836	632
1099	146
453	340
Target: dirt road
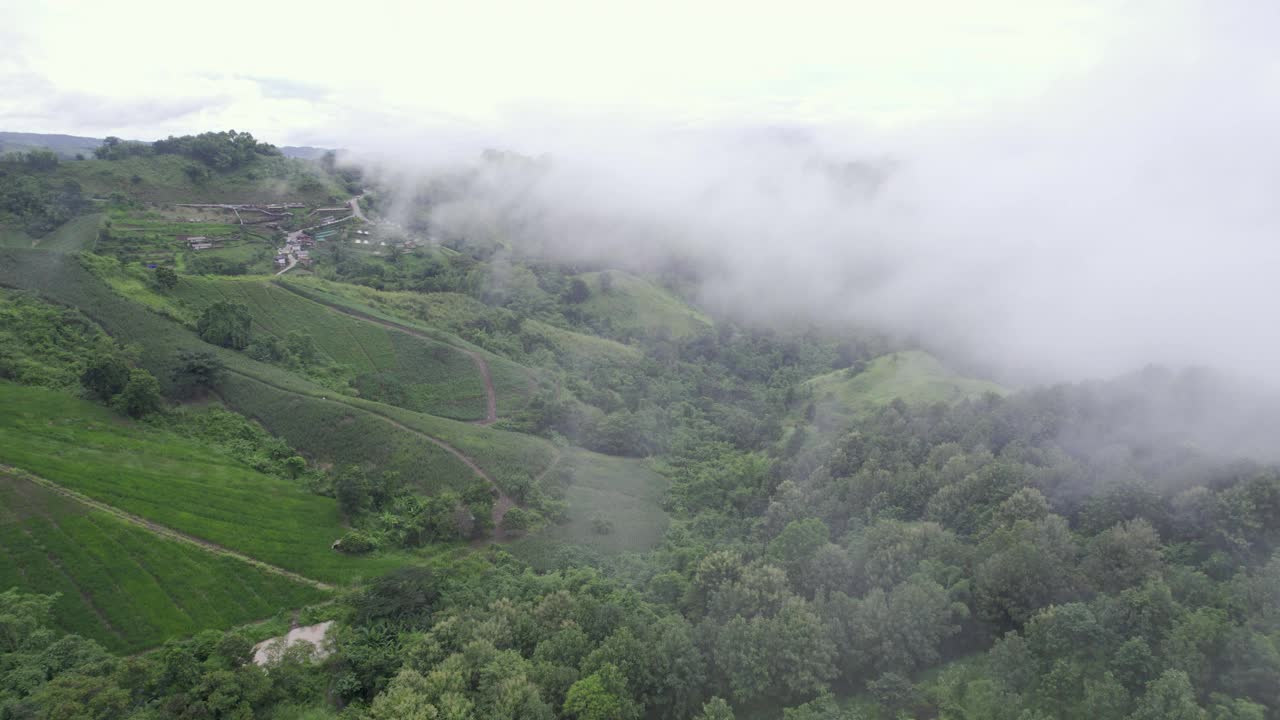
355	208
502	502
158	529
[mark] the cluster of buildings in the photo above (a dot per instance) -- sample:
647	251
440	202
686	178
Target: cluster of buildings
297	246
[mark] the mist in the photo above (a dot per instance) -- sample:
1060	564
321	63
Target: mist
1124	219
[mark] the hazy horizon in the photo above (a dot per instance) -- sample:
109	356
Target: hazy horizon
1069	190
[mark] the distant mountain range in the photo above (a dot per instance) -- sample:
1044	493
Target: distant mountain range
65	145
71	145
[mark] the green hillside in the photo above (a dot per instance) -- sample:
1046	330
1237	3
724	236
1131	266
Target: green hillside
413	372
914	376
476	323
166	179
614	506
120	584
176	482
329	428
634	306
72	236
513	384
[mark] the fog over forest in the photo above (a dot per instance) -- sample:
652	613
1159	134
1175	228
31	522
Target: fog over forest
1121	220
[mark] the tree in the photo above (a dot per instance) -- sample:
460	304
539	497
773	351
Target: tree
1123	556
798	542
141	395
198	370
226	324
601	695
302	347
166	278
716	709
105	376
578	292
39	159
351	488
1169	697
606	282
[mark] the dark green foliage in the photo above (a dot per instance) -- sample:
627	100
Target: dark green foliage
105	376
141	394
218	150
578	292
39	202
226	324
113	148
166	278
198	371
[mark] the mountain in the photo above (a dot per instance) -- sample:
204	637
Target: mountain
303	152
64	145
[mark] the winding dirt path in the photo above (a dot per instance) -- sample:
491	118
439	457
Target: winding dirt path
491	396
502	502
158	529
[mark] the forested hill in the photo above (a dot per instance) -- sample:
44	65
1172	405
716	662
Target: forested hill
238	400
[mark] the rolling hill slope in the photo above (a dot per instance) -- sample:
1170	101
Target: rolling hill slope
120	584
327	427
914	376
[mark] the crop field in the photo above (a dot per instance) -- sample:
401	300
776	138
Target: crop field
326	427
392	366
624	493
175	482
120	584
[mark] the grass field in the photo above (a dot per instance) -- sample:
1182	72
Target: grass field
74	235
336	429
433	377
513	384
453	315
175	482
636	306
625	493
120	584
914	376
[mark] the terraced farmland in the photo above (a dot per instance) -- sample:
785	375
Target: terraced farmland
120	584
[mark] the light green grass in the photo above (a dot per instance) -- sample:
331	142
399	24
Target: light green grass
914	376
175	482
335	430
513	383
120	584
636	306
624	492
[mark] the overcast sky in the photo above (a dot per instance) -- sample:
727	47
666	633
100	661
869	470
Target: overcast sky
324	73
